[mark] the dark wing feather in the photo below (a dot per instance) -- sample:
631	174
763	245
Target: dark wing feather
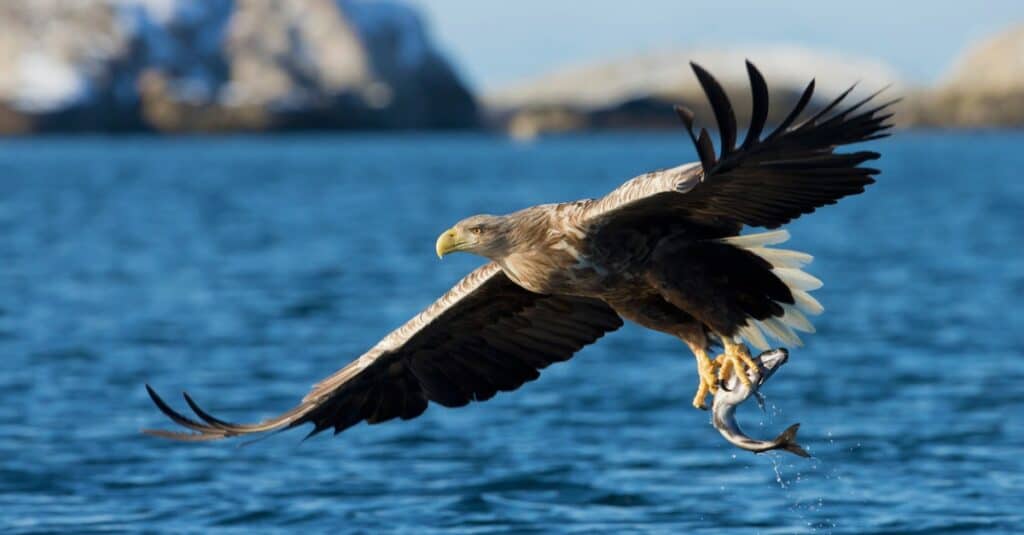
720	106
783	127
765	182
759	111
485	335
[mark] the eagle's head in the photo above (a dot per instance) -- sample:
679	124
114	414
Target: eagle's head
484	235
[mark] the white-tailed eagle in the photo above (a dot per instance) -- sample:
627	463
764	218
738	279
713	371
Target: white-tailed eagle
663	250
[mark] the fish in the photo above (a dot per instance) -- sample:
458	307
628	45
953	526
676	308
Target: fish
732	392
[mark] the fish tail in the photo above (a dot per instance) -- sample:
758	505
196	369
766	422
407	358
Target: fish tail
787	441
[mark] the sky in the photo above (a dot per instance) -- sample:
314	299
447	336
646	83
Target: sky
499	42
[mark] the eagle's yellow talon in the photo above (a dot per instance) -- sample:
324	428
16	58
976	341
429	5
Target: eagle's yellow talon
725	368
736	359
698	398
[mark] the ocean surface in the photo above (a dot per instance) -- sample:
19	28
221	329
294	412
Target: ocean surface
245	269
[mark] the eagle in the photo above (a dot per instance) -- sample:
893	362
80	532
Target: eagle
663	250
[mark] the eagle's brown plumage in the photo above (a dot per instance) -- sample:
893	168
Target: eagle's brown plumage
662	250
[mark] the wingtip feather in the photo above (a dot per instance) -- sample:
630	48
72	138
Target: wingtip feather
205	416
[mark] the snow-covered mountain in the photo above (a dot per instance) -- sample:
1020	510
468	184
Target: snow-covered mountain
222	65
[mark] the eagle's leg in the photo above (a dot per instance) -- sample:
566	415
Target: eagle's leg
692	334
707	369
736	359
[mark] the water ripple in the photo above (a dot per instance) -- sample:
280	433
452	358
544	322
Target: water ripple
244	269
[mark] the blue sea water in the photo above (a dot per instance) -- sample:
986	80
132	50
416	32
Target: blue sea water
244	269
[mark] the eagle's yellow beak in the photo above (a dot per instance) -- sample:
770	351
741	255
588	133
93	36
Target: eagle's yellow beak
448	242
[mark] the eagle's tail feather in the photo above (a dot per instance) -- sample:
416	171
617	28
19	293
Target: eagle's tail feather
787	265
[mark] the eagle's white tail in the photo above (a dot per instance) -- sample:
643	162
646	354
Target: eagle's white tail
787	266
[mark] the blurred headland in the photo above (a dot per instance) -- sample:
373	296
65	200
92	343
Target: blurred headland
182	66
639	91
984	88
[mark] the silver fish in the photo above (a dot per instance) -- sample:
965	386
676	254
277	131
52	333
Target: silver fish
732	392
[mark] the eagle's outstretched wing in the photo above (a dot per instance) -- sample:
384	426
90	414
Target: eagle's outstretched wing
765	181
485	335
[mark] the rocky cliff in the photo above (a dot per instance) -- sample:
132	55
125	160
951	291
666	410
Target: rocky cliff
213	65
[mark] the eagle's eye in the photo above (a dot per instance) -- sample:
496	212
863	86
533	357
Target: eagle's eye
476	231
